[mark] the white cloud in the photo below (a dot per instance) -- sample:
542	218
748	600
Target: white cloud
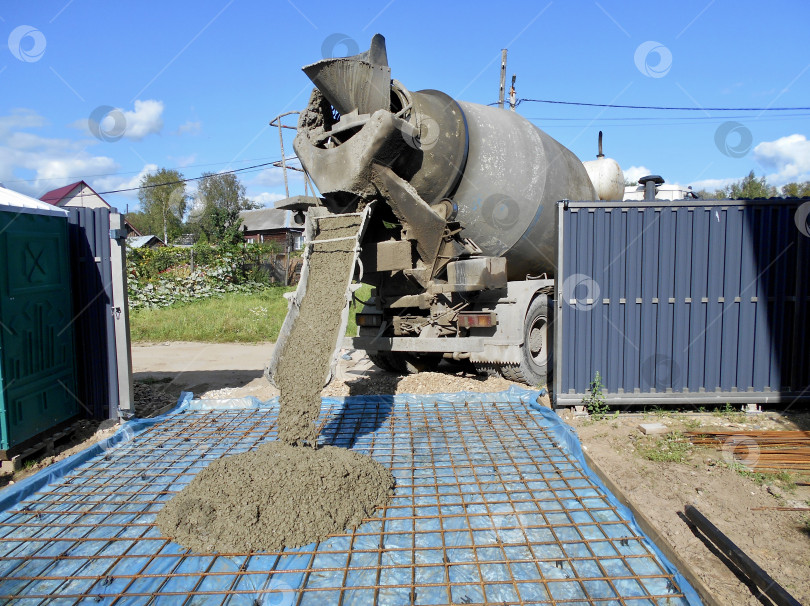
115	182
33	164
634	173
274	177
788	158
145	120
21	117
189	128
111	124
267	199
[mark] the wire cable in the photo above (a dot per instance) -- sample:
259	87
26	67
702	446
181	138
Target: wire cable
661	107
225	172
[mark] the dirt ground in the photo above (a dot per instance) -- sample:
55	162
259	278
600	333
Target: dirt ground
728	495
779	541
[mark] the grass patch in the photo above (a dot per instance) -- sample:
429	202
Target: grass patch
232	318
363	293
783	479
671	448
730	413
692	424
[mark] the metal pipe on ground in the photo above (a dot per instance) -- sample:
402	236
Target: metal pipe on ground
770	588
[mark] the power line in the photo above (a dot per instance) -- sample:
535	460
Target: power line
661	107
225	172
134	172
685	119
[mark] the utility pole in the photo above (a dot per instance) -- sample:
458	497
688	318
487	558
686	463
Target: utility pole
503	78
512	93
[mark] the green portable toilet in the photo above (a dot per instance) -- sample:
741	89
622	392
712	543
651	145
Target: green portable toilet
37	378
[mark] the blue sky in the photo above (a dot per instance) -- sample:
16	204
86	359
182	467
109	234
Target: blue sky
198	82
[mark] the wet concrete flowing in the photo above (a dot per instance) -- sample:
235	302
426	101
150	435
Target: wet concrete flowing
308	350
289	493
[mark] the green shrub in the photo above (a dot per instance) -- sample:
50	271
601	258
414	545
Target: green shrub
164	276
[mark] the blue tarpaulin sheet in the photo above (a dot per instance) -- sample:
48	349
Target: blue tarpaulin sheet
493	504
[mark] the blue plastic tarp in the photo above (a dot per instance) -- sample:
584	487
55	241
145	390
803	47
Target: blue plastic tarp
494	503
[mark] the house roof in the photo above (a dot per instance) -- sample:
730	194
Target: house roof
132	228
55	196
264	219
12	201
141	241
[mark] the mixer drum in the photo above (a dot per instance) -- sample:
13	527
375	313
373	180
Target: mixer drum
514	175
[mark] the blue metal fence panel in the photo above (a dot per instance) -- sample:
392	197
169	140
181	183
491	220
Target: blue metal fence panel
685	301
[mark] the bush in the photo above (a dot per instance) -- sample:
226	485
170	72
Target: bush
163	276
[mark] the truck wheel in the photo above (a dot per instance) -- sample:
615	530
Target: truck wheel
535	354
387	361
400	362
489	370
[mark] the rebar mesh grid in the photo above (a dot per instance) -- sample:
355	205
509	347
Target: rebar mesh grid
489	508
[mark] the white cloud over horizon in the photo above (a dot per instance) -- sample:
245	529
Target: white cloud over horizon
267	199
274	177
787	157
634	173
115	182
713	184
50	162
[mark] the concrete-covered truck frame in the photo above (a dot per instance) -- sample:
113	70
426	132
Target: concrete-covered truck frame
460	240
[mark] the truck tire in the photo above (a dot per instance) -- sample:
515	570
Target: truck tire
400	362
535	353
489	370
386	361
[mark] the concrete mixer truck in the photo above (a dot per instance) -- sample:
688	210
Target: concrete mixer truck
458	205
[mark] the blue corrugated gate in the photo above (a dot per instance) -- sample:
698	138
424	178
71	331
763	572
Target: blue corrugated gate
684	301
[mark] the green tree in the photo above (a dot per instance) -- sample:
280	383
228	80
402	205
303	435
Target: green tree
220	198
162	195
750	187
796	190
141	222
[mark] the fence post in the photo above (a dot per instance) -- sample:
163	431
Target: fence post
126	405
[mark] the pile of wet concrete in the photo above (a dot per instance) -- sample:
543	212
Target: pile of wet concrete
290	492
